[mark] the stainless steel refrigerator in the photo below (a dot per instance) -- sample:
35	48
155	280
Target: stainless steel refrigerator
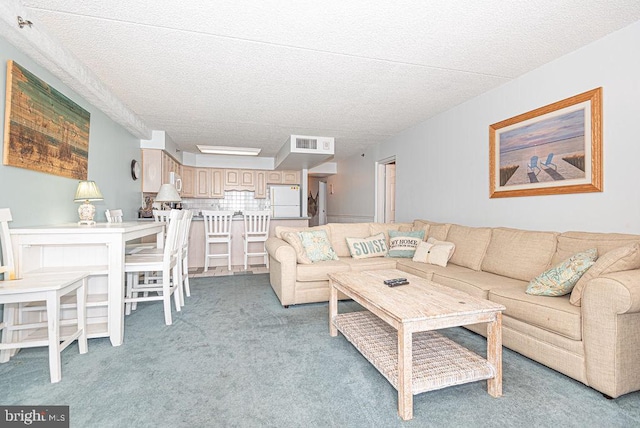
285	201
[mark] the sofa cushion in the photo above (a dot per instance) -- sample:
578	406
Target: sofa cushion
293	239
339	233
434	252
471	245
375	263
375	228
560	279
432	229
519	254
373	246
618	259
552	314
279	230
317	246
318	271
572	242
476	283
404	244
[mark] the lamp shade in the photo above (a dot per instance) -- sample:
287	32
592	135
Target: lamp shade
168	193
88	191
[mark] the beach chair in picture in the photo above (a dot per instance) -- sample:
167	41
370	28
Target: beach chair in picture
533	164
548	162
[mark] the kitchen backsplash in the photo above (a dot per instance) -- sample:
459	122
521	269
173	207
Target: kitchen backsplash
233	201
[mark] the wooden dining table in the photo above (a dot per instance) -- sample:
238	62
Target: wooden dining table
100	249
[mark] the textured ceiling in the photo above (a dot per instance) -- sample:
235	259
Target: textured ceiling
250	73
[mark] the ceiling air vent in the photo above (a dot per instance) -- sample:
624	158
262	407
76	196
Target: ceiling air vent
307	143
303	151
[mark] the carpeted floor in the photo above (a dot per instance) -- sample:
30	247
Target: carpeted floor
235	358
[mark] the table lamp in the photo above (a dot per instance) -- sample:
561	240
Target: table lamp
168	193
87	191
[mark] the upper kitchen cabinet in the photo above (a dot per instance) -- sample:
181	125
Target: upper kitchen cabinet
261	185
239	179
188	182
290	177
217	183
156	168
283	177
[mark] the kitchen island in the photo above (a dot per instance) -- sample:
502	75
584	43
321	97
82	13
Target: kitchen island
196	241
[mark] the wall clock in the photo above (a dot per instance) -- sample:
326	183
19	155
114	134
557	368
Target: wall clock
135	169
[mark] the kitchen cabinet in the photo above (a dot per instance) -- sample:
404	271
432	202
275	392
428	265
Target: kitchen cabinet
283	177
188	182
274	177
261	185
156	166
239	179
290	177
217	183
203	186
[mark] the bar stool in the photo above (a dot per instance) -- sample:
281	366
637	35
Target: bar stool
217	230
256	229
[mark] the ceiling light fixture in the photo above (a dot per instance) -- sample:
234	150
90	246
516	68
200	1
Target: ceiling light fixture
225	150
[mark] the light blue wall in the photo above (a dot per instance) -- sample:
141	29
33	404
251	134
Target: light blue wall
36	198
443	163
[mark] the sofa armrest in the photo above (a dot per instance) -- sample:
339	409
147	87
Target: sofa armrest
282	269
610	324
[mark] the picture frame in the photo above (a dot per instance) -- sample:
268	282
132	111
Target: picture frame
555	149
44	130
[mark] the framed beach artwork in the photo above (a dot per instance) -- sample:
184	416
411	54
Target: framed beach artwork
555	149
44	130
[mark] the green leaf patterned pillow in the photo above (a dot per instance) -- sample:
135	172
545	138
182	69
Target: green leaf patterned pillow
560	279
317	246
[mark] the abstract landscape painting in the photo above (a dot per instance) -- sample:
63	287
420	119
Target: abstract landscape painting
551	150
44	130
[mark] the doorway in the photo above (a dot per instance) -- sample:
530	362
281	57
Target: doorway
386	190
322	202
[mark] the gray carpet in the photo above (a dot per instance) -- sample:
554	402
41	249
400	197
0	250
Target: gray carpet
235	358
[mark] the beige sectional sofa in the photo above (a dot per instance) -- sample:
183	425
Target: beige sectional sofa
596	341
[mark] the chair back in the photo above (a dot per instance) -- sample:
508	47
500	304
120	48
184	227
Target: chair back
171	242
217	223
7	268
113	216
534	162
162	215
256	223
549	158
184	231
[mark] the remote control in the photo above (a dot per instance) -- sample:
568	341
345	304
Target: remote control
392	281
395	284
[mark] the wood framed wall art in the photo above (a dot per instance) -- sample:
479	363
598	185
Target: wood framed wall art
44	130
555	149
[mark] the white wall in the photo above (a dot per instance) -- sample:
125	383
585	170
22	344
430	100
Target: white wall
36	198
442	163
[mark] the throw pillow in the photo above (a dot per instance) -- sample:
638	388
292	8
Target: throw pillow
293	239
317	246
404	244
561	279
616	260
434	252
373	246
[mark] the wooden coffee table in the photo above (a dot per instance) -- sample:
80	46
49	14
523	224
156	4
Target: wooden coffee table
396	334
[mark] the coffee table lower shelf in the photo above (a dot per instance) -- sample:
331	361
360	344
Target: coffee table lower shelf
438	362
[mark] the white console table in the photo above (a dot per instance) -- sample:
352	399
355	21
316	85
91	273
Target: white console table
100	247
